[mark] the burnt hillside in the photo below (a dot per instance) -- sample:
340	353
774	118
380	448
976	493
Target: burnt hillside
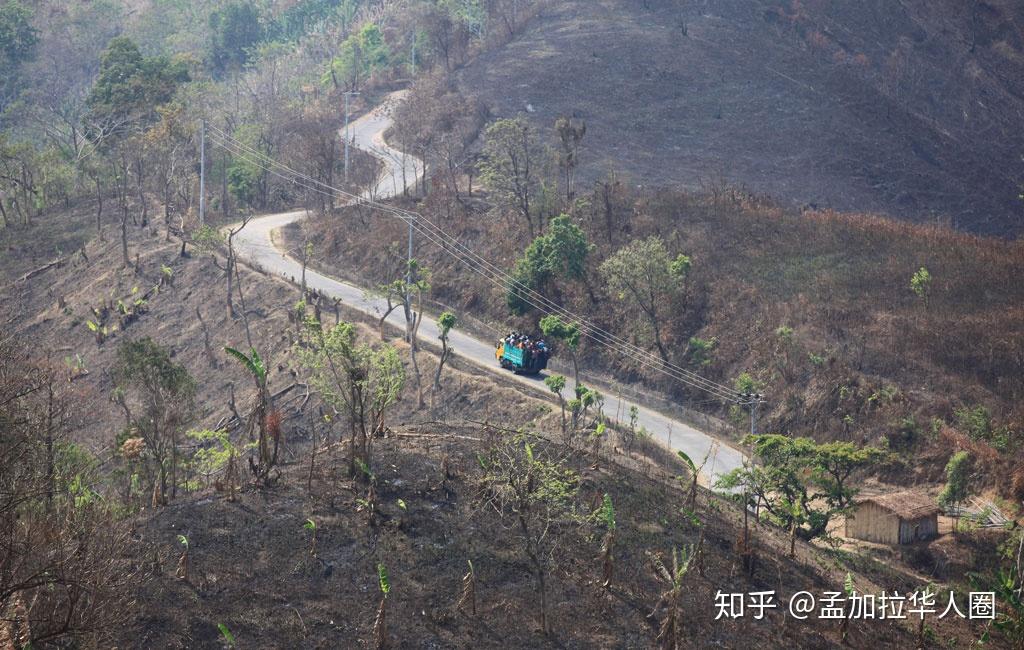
910	108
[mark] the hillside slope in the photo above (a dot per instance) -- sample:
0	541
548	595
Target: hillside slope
250	565
910	109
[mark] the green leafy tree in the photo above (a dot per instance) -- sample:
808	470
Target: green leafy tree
235	31
355	380
569	333
310	527
975	422
700	350
559	253
512	166
644	274
921	284
800	480
218	454
18	41
587	400
18	37
247	181
445	322
375	50
359	56
955	492
530	486
745	383
157	396
183	559
130	88
556	384
1008	584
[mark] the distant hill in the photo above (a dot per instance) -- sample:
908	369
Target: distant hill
911	108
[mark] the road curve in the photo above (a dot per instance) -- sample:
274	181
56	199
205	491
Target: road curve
255	245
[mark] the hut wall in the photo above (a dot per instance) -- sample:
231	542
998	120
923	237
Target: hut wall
873	523
912	530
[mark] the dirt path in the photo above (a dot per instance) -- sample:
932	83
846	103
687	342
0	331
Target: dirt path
256	245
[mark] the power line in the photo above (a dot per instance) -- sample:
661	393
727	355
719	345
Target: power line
503	280
483	267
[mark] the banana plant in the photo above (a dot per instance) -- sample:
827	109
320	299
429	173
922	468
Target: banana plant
251	362
258	416
668	633
182	572
606	515
310	526
380	629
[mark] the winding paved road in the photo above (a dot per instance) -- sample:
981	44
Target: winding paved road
255	245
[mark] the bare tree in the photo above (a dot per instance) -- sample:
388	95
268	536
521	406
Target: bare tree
64	578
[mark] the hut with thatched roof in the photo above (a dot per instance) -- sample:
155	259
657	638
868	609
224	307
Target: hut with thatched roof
895	518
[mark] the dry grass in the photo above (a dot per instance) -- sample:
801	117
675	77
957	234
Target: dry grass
865	353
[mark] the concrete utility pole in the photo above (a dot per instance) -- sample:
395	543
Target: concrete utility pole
347	95
202	173
408	280
752	400
413	59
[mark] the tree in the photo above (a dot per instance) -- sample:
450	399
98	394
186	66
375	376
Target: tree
157	396
512	166
559	253
570	135
801	483
348	65
217	454
235	29
1008	584
585	400
64	578
354	380
18	37
130	88
955	492
556	384
921	283
170	146
700	350
360	55
569	333
122	103
419	283
645	274
532	489
18	41
449	36
445	322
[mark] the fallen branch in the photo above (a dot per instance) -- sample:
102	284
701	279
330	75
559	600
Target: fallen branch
42	269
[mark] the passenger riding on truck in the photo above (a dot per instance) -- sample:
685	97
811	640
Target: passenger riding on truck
522	353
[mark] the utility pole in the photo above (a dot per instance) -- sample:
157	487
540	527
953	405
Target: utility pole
202	173
347	95
752	400
413	70
409	315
